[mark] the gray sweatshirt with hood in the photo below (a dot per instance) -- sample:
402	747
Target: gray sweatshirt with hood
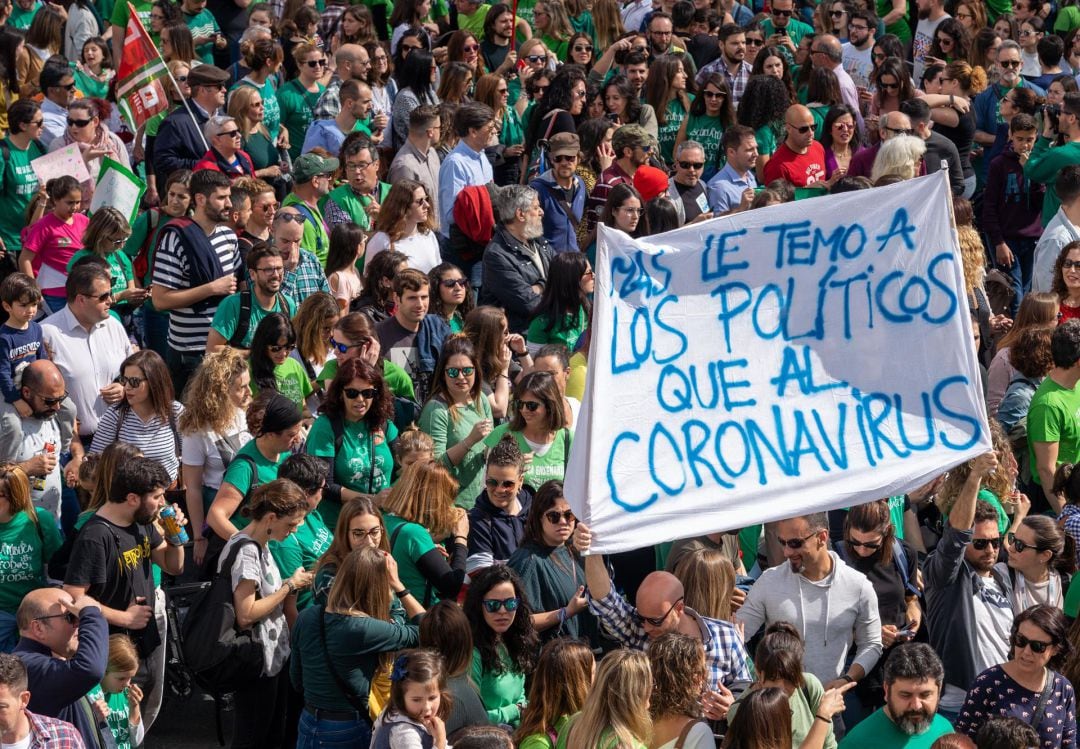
833	614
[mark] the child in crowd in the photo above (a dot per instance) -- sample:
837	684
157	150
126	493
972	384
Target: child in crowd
419	703
116	699
21	341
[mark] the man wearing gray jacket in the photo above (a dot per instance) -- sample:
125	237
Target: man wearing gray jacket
833	606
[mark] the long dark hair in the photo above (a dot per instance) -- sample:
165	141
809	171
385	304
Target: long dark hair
759	67
591	134
520	640
458	344
626	91
399	55
344	239
1050	620
764	101
379	267
272	329
560	95
727	112
435	278
835	113
562	295
158	381
415	75
10	39
382	405
547	495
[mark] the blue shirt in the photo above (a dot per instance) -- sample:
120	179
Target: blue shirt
323	134
18	348
461	168
726	189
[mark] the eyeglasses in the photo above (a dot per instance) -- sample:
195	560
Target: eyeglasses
99	297
858	27
360	534
230	133
980	544
654	620
492	605
947	41
502	91
119	241
471	47
889	86
530	406
714	94
898	130
273	271
563	158
358	166
1021	546
454	372
844	125
1010	63
962	16
367	393
449	283
579	94
1070	264
37	123
554	517
796	543
583	49
79	123
181	79
287	217
73	620
692	164
343	348
50	402
801	129
421	201
316	63
872	545
277	348
1037	646
267	207
781	13
131	382
1028	32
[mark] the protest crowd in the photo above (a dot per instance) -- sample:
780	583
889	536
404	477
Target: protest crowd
298	300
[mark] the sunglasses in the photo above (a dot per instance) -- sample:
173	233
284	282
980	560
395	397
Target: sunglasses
131	382
1070	264
78	123
530	406
343	348
563	158
535	58
316	63
980	544
1021	546
454	372
367	393
496	484
872	545
836	13
1037	646
1010	63
755	42
449	283
801	129
471	47
655	621
692	164
554	517
73	620
100	297
278	348
181	79
297	217
782	13
492	605
230	133
50	402
583	49
796	543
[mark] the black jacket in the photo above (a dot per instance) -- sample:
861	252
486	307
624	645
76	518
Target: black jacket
179	143
494	534
509	274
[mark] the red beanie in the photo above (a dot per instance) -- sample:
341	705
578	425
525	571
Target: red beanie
650	182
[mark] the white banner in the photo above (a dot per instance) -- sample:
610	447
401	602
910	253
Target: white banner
786	360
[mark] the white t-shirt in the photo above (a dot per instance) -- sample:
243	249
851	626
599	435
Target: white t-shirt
924	39
421	249
21	743
993	625
254	563
1031	65
858	63
205	449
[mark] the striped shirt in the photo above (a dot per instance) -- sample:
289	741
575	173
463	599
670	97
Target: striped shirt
158	439
187	328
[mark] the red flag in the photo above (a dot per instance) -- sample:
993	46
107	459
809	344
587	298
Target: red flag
141	74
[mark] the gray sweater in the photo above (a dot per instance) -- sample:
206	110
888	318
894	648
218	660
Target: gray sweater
832	615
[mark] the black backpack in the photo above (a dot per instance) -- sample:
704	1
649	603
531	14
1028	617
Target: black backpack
222	657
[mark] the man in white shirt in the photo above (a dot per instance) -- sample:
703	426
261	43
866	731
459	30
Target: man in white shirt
1063	228
858	50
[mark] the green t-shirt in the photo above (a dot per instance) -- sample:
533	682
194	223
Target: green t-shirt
203	24
121	272
561	49
302	549
673	120
1072	598
547	467
567	333
901	26
1054	416
228	314
18	183
23	554
120	16
500	693
446	432
542	740
412	542
271	108
475	22
20	19
119	718
397	380
708	131
796	29
297	111
768	137
880	732
314	239
353	465
292	381
240	476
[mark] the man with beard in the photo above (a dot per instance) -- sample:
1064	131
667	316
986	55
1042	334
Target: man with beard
931	14
913	675
987	104
239	314
562	193
312	177
632	145
195	267
833	606
515	263
857	51
24	441
968	605
731	63
112	560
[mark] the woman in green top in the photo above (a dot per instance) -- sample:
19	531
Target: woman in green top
271	366
564	308
539	426
894	14
298	97
762	108
616	712
263	58
95	69
247	105
552	25
711	113
504	642
306	545
492	89
669	90
359	524
560	684
450	297
31	537
352	436
458	417
105	237
822	94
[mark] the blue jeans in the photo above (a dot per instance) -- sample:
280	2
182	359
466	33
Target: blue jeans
1023	249
319	733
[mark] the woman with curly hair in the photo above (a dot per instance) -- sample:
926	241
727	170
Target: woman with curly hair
762	108
711	113
420	517
952	42
406	224
973	257
504	642
771	61
623	103
679	676
669	91
994	489
560	684
213	428
493	90
352	436
1030	359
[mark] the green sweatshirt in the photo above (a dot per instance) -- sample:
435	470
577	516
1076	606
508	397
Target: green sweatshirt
501	693
1043	166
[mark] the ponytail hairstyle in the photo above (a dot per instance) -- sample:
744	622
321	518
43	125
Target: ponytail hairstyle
281	497
779	655
1049	537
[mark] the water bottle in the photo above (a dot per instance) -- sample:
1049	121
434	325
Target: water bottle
174	532
37	483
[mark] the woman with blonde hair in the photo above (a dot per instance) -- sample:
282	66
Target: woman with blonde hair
608	22
406	224
679	676
263	58
314	324
708	579
494	90
420	514
212	429
616	712
973	258
559	688
553	27
247	106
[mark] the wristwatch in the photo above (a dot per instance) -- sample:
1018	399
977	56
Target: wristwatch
291	586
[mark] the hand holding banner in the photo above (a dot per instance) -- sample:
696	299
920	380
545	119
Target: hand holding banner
787	360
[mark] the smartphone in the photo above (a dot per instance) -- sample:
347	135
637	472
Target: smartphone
908	631
782	32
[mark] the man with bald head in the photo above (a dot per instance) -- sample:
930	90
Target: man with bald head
660	608
64	644
890	124
350	61
799	159
24	441
303	273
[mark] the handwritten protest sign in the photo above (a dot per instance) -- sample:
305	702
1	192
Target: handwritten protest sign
798	358
118	187
62	162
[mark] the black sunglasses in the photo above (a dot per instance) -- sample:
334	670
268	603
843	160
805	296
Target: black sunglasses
796	543
449	283
1010	63
692	164
131	382
1037	646
454	372
496	484
802	129
981	543
73	620
51	401
99	297
782	13
529	406
492	605
78	123
1021	546
278	348
554	516
872	545
655	621
367	393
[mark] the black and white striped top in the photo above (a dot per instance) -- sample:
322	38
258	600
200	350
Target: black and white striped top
156	438
188	329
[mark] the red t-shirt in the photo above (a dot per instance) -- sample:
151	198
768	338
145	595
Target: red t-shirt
1065	312
800	169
